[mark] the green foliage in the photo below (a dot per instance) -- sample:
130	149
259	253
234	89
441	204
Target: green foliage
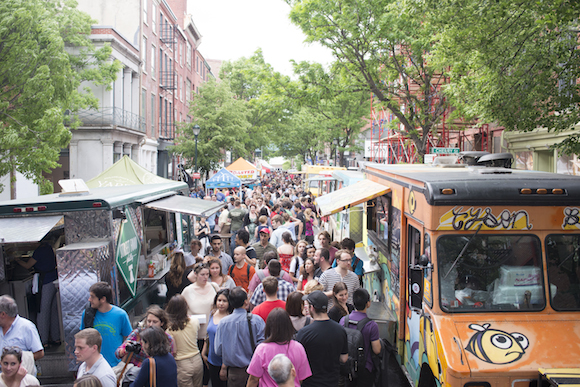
254	81
514	63
224	126
45	54
384	48
286	165
335	96
303	134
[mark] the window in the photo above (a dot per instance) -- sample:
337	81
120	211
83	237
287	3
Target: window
161	67
161	134
179	85
188	90
144	104
180	53
153	18
153	115
153	61
188	55
490	272
145	11
562	253
144	54
159	228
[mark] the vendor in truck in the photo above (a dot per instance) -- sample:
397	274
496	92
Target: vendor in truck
44	263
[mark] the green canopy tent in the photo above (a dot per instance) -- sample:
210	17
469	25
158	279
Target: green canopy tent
125	172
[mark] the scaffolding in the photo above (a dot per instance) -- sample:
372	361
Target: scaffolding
389	146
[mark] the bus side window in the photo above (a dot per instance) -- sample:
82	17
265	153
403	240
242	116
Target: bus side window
428	291
416	282
414	243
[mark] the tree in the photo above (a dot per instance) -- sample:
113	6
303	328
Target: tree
335	97
254	81
303	134
224	127
520	65
45	55
385	51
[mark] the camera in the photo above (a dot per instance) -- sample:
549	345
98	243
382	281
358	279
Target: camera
133	346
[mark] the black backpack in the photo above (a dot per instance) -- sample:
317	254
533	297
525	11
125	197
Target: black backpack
231	271
356	351
89	318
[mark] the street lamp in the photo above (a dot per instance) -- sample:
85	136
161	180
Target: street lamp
196	130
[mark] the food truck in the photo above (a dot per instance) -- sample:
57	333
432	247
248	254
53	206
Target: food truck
479	266
122	235
318	179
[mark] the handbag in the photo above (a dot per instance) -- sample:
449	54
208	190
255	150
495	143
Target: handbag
152	373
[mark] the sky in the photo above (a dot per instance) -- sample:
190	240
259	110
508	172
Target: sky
231	29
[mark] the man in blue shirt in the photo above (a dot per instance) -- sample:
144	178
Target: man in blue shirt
19	332
111	321
233	340
357	263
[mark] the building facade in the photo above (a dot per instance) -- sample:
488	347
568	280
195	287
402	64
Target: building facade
157	43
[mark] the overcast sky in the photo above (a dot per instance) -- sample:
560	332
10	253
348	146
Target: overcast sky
231	29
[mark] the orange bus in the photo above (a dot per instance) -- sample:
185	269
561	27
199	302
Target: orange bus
479	266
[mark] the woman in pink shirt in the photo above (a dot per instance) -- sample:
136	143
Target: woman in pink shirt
279	331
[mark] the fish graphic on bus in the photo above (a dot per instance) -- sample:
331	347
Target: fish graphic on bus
495	346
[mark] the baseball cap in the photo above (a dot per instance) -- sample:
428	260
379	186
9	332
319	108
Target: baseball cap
317	299
265	230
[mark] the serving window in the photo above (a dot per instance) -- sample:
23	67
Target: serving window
159	228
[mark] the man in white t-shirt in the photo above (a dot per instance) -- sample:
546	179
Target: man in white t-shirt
88	350
341	273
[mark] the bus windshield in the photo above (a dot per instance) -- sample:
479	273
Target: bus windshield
490	272
563	255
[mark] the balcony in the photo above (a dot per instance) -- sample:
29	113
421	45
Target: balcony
167	34
166	130
167	79
111	116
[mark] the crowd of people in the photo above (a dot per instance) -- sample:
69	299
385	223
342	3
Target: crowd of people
259	298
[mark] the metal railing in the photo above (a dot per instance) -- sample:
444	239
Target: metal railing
167	130
167	80
111	116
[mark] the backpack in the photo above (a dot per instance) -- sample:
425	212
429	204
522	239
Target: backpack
89	318
356	351
231	272
262	275
296	266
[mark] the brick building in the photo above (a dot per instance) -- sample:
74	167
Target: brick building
157	43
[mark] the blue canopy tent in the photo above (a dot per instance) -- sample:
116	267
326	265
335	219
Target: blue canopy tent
223	179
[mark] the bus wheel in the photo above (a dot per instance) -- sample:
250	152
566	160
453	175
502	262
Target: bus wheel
426	378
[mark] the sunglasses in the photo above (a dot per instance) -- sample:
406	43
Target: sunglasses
11	350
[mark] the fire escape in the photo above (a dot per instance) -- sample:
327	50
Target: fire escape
167	81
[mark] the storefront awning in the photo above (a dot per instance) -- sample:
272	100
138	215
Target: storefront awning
185	205
350	196
26	229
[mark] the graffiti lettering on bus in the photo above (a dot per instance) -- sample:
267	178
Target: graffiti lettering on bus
459	219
